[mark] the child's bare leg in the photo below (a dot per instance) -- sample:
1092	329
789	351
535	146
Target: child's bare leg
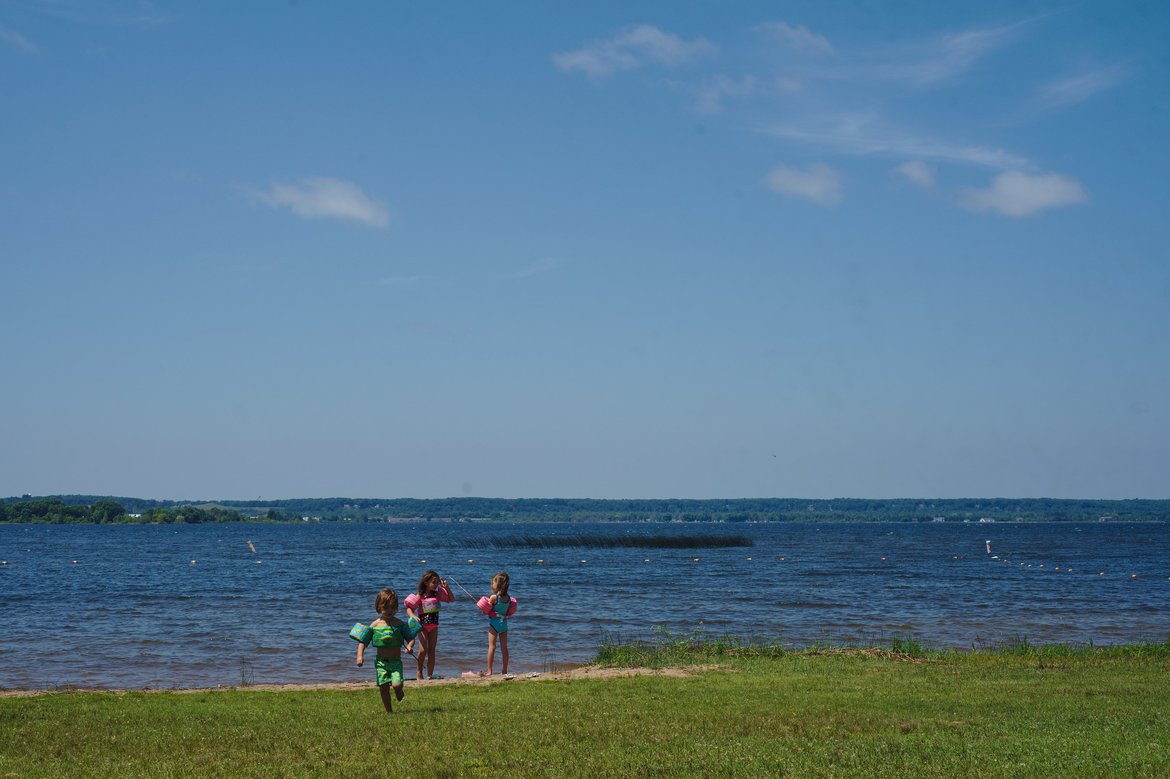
504	650
384	691
491	649
398	692
433	644
423	643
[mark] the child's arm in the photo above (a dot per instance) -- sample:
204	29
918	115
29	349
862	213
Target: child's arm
361	653
444	592
411	602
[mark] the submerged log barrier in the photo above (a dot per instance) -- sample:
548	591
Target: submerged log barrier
692	541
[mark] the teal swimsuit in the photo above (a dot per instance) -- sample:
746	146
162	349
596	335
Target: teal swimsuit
499	622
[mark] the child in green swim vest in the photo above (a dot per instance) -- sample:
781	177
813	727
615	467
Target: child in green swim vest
387	634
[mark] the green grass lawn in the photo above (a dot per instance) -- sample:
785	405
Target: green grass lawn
762	713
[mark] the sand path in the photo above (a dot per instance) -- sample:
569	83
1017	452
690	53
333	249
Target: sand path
583	672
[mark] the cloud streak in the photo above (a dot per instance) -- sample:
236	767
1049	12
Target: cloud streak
800	39
936	61
865	135
17	41
1071	90
918	173
1019	194
631	49
327	198
817	183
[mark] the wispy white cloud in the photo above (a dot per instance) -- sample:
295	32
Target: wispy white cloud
631	49
327	198
798	38
818	183
1078	88
711	92
117	13
917	172
17	41
868	135
1019	194
931	62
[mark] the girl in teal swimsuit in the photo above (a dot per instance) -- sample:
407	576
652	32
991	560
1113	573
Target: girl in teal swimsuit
388	634
502	605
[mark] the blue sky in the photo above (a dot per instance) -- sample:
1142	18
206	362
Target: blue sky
668	249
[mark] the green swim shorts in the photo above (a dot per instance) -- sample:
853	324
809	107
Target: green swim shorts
389	670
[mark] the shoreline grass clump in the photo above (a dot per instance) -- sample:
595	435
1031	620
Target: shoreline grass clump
668	649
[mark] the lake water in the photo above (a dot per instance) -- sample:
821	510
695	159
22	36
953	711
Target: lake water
192	606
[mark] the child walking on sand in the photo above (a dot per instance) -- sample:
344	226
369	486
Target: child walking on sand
498	607
387	633
424	606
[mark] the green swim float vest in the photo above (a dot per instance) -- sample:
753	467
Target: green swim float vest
386	635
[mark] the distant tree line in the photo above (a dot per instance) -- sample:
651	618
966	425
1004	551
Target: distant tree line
83	508
101	511
734	510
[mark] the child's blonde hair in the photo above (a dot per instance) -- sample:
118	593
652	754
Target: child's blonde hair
386	601
500	583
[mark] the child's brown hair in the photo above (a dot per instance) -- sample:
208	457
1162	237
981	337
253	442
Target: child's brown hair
500	584
386	601
426	577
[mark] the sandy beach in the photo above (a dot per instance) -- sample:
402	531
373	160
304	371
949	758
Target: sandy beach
582	672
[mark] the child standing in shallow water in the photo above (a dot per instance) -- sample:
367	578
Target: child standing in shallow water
424	606
498	607
387	634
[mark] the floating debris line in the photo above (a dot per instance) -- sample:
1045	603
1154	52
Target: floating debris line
701	541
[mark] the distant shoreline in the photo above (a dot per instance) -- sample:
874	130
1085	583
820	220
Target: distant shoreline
93	509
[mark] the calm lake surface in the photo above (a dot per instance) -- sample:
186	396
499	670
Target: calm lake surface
192	606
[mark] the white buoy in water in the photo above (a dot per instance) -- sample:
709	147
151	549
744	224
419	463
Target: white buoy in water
988	547
194	561
470	561
540	562
422	561
74	562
